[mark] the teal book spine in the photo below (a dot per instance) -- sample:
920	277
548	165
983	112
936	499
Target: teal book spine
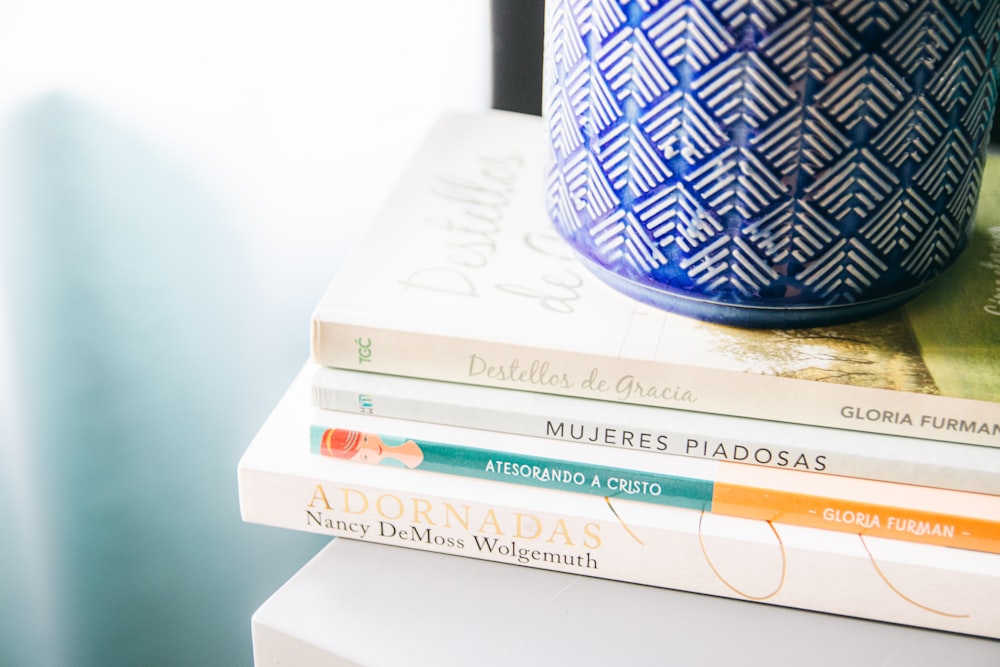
499	466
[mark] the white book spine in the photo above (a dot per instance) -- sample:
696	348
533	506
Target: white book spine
662	430
282	484
925	586
339	342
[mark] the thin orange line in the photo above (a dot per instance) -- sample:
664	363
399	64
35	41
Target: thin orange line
784	564
895	590
623	524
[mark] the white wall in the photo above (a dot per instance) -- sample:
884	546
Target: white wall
178	183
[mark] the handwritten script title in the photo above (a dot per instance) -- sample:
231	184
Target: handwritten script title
473	213
993	264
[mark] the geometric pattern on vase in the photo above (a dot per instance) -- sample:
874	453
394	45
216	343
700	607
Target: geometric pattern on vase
771	153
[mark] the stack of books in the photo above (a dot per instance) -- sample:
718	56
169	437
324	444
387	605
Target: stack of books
474	391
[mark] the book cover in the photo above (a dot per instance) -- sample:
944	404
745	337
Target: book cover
786	497
641	428
282	484
461	278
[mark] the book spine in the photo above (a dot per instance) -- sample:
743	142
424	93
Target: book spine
574	476
338	343
897	511
804	568
662	430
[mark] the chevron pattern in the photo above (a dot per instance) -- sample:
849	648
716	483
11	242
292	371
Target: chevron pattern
771	153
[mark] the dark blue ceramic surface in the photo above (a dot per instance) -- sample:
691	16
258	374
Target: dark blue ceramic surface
768	162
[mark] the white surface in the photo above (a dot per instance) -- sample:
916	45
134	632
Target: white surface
377	605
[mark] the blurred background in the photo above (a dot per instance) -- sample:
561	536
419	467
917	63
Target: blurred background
179	181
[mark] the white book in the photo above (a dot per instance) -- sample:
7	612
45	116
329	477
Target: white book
281	483
375	605
461	278
643	428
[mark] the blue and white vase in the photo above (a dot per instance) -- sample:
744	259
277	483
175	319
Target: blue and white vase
768	163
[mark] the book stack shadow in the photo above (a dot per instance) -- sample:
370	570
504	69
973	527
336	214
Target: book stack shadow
474	392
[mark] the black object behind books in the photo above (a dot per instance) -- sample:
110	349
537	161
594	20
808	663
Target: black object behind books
517	54
517	28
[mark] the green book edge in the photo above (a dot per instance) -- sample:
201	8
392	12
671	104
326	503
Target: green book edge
956	322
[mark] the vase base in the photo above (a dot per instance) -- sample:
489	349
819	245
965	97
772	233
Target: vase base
748	316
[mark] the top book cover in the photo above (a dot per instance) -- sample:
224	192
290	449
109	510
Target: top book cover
461	278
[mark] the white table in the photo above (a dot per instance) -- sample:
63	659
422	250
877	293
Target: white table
366	604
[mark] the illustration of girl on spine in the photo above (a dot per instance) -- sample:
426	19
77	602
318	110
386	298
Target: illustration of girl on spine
369	448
